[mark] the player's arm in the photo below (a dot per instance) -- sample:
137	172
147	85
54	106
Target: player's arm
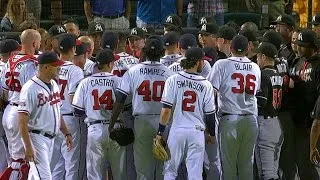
24	132
262	94
117	107
87	10
164	118
179	7
128	9
76	77
215	75
66	133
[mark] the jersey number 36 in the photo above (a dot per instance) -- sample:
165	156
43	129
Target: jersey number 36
245	83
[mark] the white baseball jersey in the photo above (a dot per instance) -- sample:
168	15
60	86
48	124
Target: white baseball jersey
70	76
237	79
192	96
42	104
95	90
145	82
167	60
19	69
87	66
125	62
2	69
175	67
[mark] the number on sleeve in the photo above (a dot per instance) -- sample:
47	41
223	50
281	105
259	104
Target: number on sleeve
277	98
12	81
245	84
190	98
63	86
105	98
145	90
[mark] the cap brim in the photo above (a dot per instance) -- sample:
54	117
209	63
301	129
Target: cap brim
57	63
95	32
256	50
139	37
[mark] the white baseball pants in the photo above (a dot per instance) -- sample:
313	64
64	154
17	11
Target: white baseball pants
4	155
268	147
185	144
65	164
101	148
237	139
145	129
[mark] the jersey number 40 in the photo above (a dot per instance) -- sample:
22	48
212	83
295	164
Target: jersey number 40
151	91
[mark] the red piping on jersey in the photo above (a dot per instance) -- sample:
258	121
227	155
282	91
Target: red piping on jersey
303	69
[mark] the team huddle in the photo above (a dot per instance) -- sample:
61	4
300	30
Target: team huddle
217	119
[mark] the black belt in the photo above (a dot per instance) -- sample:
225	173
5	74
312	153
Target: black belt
13	104
44	134
109	17
228	114
98	122
68	114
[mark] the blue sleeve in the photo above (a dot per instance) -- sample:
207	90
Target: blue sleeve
210	123
78	112
6	25
120	97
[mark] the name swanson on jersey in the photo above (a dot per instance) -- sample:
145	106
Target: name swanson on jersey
191	84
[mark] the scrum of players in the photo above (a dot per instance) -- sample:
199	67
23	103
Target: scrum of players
237	108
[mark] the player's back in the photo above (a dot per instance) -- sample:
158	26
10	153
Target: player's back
176	68
95	91
192	94
69	77
145	82
167	60
18	70
124	62
237	79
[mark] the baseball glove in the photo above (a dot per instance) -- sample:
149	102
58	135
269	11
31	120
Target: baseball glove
160	150
123	136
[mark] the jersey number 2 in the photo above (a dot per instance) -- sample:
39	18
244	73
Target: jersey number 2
245	83
105	98
188	101
145	90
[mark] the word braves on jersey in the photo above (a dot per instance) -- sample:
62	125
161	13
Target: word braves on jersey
237	79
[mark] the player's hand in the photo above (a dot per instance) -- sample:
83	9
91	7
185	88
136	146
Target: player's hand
314	156
29	154
69	142
210	139
158	138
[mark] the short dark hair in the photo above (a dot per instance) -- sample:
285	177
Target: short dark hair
187	63
71	20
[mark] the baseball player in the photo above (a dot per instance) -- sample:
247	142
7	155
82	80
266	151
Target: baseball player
65	164
95	31
93	92
224	37
269	99
186	139
237	79
51	42
172	55
39	114
89	44
19	69
145	83
187	41
7	48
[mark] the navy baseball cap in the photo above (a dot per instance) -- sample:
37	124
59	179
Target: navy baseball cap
226	32
307	38
109	40
138	33
239	43
56	30
206	20
96	27
149	31
194	53
170	38
315	20
251	35
9	45
187	41
67	41
50	58
153	44
210	53
209	29
81	48
272	37
173	20
105	56
285	19
267	49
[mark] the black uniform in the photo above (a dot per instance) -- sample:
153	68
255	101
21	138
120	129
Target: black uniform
287	53
283	69
270	94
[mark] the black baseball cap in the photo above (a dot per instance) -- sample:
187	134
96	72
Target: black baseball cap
170	38
50	58
96	27
194	53
109	40
9	45
209	29
226	32
105	56
251	35
149	31
239	43
206	20
138	33
173	20
272	37
187	41
316	20
285	19
67	41
81	48
267	49
307	38
56	30
153	44
210	52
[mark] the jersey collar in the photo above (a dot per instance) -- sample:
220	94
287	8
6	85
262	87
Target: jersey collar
240	59
151	62
42	84
171	56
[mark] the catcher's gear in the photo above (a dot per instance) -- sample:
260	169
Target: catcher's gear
23	170
123	136
160	150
